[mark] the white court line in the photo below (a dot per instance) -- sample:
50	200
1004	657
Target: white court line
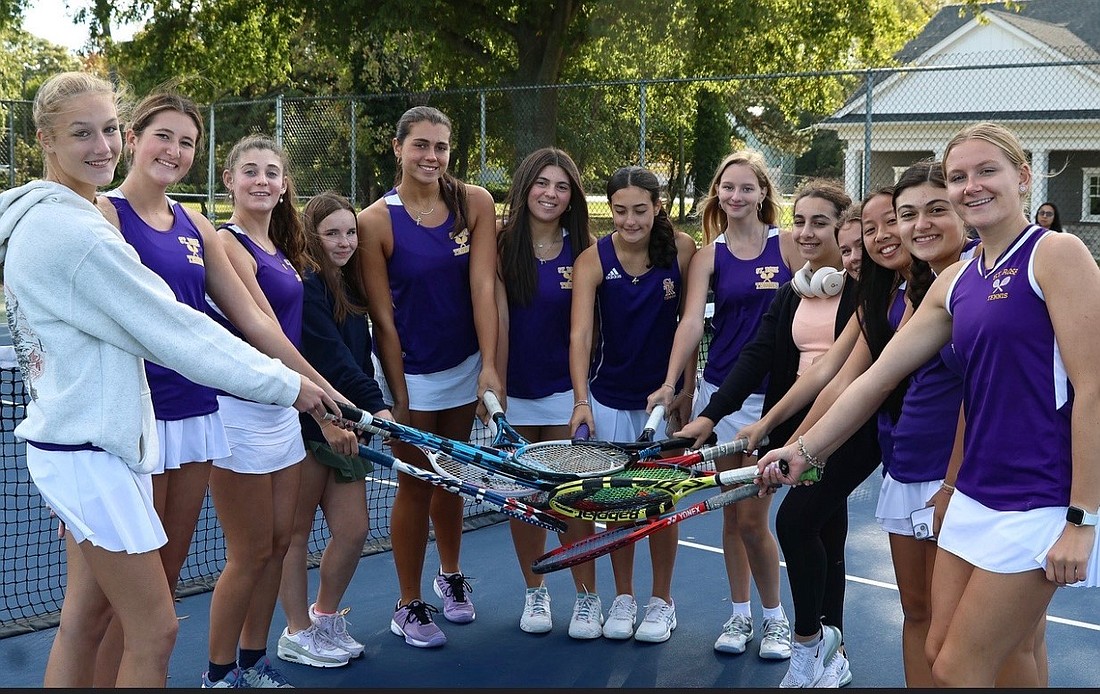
891	586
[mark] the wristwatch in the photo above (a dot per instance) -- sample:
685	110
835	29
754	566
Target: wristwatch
1079	516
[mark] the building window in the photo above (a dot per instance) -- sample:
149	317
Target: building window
1090	195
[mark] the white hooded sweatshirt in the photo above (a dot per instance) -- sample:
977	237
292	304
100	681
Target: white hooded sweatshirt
84	312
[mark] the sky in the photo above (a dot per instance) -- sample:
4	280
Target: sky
49	19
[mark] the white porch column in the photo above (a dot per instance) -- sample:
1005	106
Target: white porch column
1040	166
853	171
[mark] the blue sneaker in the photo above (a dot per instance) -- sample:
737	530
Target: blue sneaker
263	676
231	681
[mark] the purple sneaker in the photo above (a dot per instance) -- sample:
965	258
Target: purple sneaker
455	589
414	622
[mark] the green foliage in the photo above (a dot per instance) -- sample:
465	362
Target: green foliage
712	138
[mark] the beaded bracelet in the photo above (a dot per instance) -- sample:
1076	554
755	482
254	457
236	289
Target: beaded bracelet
579	403
813	460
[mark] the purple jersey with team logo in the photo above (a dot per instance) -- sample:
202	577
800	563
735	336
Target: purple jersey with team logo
636	319
894	313
743	290
280	283
538	333
177	256
1017	398
429	274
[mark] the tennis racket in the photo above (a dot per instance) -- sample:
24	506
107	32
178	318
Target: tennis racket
602	543
507	505
545	463
627	498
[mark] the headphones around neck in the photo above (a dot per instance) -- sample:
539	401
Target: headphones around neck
826	282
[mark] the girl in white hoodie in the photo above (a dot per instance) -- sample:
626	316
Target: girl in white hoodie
84	314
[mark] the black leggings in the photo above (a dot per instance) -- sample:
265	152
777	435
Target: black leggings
812	525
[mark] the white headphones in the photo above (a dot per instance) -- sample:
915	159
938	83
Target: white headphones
825	283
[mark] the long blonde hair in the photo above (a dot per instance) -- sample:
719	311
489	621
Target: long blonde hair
714	219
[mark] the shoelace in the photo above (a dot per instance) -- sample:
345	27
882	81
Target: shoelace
738	624
537	601
457	586
420	611
658	613
265	671
586	606
620	609
340	623
774	629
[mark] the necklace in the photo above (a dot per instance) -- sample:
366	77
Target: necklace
420	214
540	246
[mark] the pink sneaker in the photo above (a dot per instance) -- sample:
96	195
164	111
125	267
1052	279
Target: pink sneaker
455	590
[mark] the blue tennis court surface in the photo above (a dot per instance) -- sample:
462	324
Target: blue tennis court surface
493	652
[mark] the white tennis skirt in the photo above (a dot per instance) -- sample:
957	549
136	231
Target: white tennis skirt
262	438
436	391
553	410
897	500
726	429
99	499
191	440
1007	541
620	425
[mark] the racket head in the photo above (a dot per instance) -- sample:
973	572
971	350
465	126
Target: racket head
479	477
593	546
566	460
613	499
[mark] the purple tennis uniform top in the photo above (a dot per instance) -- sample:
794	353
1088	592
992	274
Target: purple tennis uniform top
538	334
743	290
1016	395
429	275
925	432
636	320
894	313
281	285
177	256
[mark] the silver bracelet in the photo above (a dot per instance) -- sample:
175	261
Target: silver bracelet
813	460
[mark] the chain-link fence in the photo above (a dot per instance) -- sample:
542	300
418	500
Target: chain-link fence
861	126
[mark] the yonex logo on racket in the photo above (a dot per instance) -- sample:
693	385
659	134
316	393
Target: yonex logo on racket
613	275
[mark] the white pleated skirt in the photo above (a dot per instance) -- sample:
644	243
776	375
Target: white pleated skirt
191	440
99	498
262	438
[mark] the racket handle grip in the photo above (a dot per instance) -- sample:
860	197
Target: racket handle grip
811	475
582	433
492	404
354	414
653	422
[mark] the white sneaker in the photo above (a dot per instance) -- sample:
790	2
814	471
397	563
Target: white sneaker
776	643
658	623
587	621
620	618
808	663
736	633
310	647
838	673
536	617
334	627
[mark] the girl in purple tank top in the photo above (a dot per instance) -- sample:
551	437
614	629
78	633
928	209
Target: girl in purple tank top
545	227
183	247
1021	320
428	266
745	259
631	282
255	487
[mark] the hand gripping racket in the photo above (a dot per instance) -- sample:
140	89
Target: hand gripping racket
599	544
509	506
547	462
625	498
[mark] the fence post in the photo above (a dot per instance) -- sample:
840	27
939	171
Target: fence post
354	192
11	144
641	128
683	178
279	120
867	133
481	169
211	164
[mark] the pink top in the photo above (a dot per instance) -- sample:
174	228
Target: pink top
813	328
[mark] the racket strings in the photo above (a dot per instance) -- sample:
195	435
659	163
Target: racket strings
614	498
580	550
572	458
479	477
